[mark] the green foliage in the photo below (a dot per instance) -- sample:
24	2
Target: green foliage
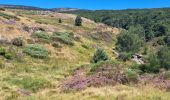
56	45
18	41
85	46
2	51
64	37
167	40
161	41
129	42
125	56
42	35
36	51
131	75
32	84
6	16
157	61
164	57
153	64
154	22
160	30
167	75
78	21
59	21
100	55
8	56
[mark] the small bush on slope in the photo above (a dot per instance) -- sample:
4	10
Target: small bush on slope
9	16
42	35
78	21
100	55
32	84
18	41
64	37
36	51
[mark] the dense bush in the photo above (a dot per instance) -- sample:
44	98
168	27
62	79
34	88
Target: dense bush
131	75
59	21
42	35
129	42
78	21
32	84
153	65
164	57
36	51
18	41
155	22
7	16
64	37
100	55
125	56
8	56
167	39
2	51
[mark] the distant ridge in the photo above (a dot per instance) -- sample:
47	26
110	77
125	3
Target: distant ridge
36	8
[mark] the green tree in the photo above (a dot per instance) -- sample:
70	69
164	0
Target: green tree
78	21
167	39
59	21
154	63
164	57
100	55
160	30
129	42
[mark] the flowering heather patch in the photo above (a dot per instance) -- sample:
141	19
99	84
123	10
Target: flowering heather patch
105	75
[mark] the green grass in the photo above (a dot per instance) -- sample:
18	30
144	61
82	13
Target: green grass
37	51
7	16
64	37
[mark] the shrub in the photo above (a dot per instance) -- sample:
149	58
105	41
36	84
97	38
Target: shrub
36	51
85	46
132	75
152	66
129	42
167	39
18	41
32	84
161	41
164	57
56	45
78	21
7	16
42	35
100	55
125	56
59	21
64	37
2	51
2	9
8	55
167	75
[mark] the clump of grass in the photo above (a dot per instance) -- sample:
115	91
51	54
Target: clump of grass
42	35
85	46
37	51
4	53
32	84
7	16
8	56
64	37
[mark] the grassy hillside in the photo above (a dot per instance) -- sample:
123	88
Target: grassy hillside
44	59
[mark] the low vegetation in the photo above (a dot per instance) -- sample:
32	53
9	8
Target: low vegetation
64	37
37	51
